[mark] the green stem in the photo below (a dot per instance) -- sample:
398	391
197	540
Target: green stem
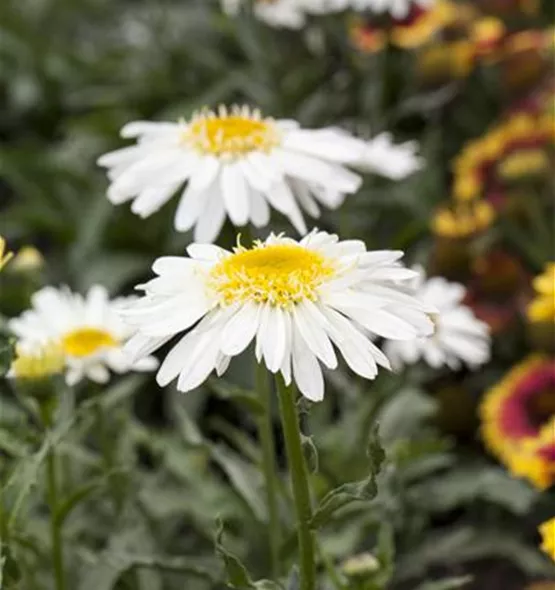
266	435
106	449
55	531
299	481
47	412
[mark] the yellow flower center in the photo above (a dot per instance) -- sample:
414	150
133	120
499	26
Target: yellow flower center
231	134
40	364
280	274
86	341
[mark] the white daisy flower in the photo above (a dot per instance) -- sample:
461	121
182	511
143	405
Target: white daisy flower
296	299
89	331
398	9
382	157
459	337
235	163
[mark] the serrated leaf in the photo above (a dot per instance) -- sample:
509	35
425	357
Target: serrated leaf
238	576
364	490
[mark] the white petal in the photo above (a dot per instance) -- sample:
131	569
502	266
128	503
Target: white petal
235	193
308	321
240	330
306	370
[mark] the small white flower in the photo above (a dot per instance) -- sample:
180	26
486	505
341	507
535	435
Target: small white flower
294	298
398	9
280	13
88	330
289	14
235	163
459	337
382	157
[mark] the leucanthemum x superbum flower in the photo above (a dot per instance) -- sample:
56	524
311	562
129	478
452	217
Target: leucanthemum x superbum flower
459	337
236	163
294	298
88	330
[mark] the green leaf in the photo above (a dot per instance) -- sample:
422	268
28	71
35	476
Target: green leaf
237	574
364	490
244	478
77	496
189	431
470	483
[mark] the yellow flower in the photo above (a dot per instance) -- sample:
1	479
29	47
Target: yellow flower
547	531
4	255
463	220
38	364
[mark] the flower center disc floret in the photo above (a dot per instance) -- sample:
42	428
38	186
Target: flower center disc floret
231	134
281	275
86	341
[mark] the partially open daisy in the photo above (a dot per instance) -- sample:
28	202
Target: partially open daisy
88	331
236	163
295	298
459	337
518	419
42	362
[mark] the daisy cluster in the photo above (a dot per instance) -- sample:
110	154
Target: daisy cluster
298	301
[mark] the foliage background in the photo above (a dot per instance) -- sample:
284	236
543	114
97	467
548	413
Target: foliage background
145	506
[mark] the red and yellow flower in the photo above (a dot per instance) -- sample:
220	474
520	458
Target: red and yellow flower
518	420
418	28
514	151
